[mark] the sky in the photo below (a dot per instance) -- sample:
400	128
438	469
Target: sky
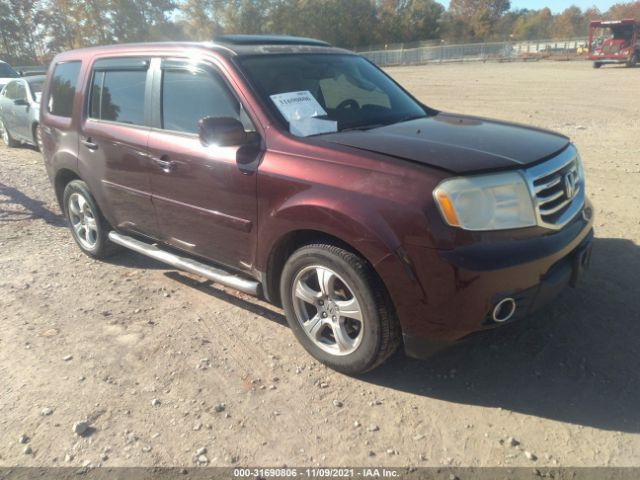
556	6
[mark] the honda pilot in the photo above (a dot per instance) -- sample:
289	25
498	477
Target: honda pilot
289	169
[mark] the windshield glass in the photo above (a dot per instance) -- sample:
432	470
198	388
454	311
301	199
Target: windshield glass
7	72
323	93
36	88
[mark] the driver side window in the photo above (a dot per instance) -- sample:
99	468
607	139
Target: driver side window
11	91
191	94
21	91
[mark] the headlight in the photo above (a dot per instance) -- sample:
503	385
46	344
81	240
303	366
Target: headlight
486	202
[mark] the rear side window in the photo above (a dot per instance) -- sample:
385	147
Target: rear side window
118	96
63	89
188	96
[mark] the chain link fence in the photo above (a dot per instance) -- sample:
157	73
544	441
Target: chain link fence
494	51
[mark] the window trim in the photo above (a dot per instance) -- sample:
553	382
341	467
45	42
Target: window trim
171	62
50	83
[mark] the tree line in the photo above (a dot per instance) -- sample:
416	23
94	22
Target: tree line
32	31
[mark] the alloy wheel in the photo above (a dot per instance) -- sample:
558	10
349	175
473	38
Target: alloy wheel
327	309
83	221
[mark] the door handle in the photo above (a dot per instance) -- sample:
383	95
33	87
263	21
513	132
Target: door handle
89	144
164	163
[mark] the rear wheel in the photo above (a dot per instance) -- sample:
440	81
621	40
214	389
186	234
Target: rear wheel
6	136
338	308
633	61
88	227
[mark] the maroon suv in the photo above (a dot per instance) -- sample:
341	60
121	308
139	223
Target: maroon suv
286	168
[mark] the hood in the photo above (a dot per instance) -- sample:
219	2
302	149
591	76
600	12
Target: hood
459	144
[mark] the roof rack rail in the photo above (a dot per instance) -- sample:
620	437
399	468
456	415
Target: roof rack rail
269	40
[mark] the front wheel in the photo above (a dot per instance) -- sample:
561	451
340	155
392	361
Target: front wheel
633	61
88	227
338	308
6	136
597	64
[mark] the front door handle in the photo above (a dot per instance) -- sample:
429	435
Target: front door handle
89	144
164	163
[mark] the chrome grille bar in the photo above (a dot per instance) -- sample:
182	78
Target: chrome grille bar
557	187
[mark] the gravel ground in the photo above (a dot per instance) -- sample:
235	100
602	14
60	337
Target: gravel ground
167	370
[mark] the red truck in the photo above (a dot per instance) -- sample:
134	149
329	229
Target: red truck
614	42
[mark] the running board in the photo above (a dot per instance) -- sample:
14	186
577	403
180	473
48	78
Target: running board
187	264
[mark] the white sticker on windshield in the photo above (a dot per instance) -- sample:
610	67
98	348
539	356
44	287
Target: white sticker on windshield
298	105
312	126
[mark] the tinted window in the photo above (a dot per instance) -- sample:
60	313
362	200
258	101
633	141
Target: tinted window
63	89
118	96
188	96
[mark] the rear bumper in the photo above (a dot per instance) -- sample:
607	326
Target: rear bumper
472	280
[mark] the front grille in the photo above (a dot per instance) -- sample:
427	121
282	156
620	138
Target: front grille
558	188
613	48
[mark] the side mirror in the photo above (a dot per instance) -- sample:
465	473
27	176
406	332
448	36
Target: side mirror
21	102
221	131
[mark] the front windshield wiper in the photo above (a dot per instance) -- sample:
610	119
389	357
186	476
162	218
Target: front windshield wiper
383	124
364	127
407	118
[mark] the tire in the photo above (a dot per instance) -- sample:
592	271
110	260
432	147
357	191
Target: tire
87	224
6	136
355	339
633	62
37	137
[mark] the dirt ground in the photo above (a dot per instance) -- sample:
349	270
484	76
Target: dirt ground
147	355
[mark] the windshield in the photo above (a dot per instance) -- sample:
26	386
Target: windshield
36	88
606	34
7	72
323	93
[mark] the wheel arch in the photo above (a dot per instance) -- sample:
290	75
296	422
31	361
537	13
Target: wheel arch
61	180
285	246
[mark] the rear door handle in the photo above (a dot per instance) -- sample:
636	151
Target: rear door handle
165	164
89	144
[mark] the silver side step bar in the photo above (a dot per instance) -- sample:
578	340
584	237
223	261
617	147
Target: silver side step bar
187	264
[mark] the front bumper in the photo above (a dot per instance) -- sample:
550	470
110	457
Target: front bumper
611	59
464	286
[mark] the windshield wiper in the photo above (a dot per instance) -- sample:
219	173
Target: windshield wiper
364	127
383	124
407	119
